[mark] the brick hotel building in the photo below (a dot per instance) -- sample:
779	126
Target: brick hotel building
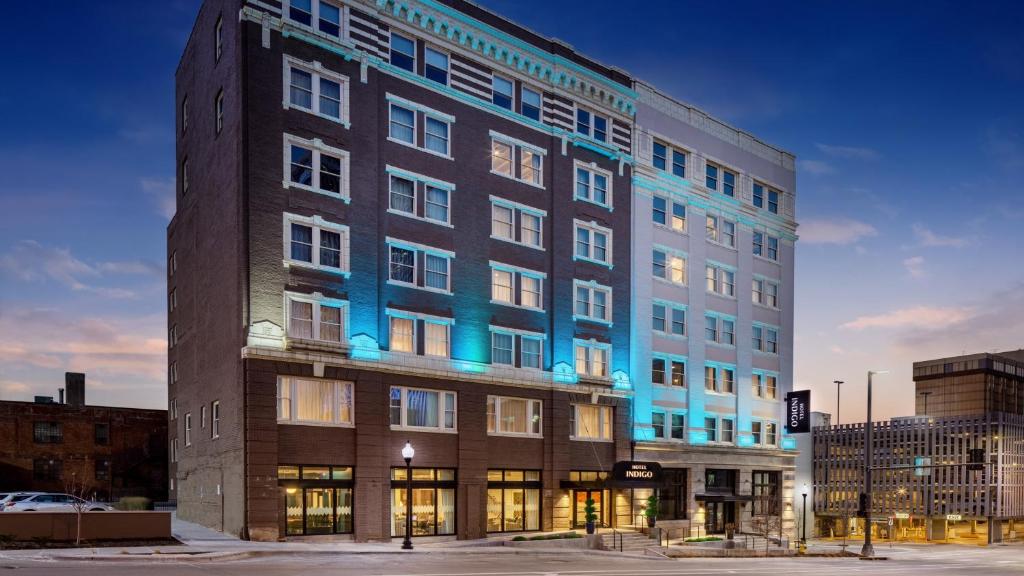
414	221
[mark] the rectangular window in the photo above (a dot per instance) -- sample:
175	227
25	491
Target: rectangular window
503	281
403	195
501	286
591	124
403	265
502	348
314	166
530	229
593	185
436	272
403	52
728	430
728	183
712	228
668	319
215	419
530	104
419	268
678	426
678	326
756	383
218	107
436	136
658	423
659	211
721	281
770	387
679	163
502	222
771	340
758	195
403	124
590	422
301	11
773	201
711	427
309	401
592	360
671	267
184	177
669	159
188	429
435	65
501	90
660	156
315	320
771	433
531	166
530	291
435	339
593	302
501	158
184	114
316	90
519	416
218	39
756	432
423	409
720	330
711	176
727	236
102	469
728	385
436	204
658	318
47	469
323	245
678	374
403	334
658	370
530	352
773	249
47	432
593	242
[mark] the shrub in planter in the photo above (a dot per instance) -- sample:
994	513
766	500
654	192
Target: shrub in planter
519	539
651	510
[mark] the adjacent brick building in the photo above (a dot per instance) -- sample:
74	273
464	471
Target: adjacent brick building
407	221
114	452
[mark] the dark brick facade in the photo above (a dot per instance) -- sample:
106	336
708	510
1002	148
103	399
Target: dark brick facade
227	238
133	454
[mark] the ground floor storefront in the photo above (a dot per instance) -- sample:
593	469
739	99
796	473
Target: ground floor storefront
905	527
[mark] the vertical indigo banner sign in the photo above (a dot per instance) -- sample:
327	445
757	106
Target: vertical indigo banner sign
798	412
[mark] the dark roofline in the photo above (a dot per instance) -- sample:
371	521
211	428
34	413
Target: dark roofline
552	45
84	406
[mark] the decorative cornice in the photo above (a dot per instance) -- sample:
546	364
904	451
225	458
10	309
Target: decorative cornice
506	50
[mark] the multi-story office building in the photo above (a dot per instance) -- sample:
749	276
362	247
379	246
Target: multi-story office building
413	221
713	237
925	478
106	452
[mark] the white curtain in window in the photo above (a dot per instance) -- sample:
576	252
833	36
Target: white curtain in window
513	415
532	509
314	400
301	316
402	335
436	339
446	511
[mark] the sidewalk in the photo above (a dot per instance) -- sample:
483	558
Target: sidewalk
204	544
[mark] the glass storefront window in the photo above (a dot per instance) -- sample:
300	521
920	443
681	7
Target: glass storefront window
316	473
317	499
446	474
341	473
343	511
287	472
433	501
319	510
513	500
293	511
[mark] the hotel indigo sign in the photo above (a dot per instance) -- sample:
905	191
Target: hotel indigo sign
627	472
798	412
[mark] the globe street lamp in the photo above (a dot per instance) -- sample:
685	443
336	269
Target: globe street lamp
407	453
803	519
868	550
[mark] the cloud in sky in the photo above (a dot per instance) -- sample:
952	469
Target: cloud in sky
915	266
925	237
815	167
30	261
926	317
840	231
849	152
161	191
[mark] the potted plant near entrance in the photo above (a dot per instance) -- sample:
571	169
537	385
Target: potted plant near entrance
651	510
590	515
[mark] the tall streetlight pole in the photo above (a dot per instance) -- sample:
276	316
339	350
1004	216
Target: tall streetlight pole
838	383
407	453
868	550
926	394
803	519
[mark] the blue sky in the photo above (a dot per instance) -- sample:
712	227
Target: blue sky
906	119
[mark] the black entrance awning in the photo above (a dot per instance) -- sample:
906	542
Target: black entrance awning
724	497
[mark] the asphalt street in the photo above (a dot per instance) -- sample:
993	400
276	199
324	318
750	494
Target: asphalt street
902	560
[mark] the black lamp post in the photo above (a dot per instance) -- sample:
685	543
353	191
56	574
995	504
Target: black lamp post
838	383
868	550
803	518
407	454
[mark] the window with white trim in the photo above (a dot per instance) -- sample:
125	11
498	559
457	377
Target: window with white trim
312	318
218	111
593	185
711	428
761	193
766	246
668	319
669	213
505	345
765	292
720	179
757	432
592	359
593	302
728	427
765	339
312	165
505	280
764	385
517	223
435	65
590	422
530	103
315	243
517	160
669	159
678	429
327	15
514	416
314	401
669	266
215	419
421	409
720	329
721	231
658	424
435	339
188	429
720	280
403	119
404	198
403	52
501	90
771	434
317	90
592	124
419	266
668	371
593	242
720	379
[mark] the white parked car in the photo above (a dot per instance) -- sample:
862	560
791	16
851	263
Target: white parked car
49	502
7	498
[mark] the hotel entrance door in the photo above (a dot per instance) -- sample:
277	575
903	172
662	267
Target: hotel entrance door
718	514
602	499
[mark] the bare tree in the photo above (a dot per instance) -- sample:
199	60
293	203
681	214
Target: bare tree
78	489
764	523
